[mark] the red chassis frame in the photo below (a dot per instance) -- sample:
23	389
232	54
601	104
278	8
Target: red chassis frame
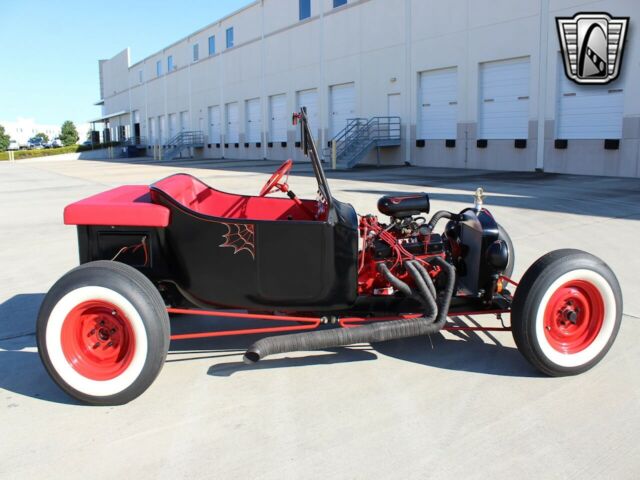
311	323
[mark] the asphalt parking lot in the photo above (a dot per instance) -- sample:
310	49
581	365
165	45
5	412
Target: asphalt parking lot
465	406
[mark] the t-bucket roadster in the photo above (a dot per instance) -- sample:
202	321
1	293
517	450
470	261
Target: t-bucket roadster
312	267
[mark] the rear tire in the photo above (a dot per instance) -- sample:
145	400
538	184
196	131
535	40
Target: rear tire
566	312
103	333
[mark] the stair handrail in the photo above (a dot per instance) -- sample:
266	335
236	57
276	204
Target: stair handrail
377	129
186	138
353	134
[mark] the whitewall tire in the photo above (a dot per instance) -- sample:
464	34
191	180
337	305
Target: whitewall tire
566	312
103	333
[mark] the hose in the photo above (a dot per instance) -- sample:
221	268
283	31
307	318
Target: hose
431	322
439	215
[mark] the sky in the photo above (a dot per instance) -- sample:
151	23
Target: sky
50	49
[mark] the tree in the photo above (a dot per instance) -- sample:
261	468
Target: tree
43	136
68	133
4	139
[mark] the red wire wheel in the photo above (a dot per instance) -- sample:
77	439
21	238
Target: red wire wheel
97	340
574	316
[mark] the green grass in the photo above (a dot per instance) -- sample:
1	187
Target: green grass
45	152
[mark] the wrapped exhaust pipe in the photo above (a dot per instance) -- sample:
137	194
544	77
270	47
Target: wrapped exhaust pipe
435	316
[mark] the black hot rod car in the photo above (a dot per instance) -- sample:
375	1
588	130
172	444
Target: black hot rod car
179	246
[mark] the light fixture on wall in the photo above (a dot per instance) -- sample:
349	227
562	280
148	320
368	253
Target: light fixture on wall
393	79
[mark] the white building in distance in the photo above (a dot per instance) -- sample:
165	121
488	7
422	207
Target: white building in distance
22	129
476	84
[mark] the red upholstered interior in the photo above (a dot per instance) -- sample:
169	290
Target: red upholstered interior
203	199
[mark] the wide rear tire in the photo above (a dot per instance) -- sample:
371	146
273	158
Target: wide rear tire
103	333
566	312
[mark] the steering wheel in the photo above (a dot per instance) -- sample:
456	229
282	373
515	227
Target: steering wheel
274	184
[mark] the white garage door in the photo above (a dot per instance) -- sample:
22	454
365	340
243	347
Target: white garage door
184	121
254	120
438	109
504	99
153	131
214	124
161	129
232	123
173	125
309	99
278	118
589	111
342	106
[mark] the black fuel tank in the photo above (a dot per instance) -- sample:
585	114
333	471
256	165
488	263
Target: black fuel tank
402	206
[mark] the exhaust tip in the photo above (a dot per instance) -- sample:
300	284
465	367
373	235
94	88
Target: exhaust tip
251	357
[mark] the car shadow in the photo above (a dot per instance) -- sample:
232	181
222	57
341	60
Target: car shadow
329	357
18	320
467	351
21	370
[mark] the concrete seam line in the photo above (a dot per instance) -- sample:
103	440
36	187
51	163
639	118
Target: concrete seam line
17	335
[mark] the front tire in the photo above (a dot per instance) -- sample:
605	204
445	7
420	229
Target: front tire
103	333
566	312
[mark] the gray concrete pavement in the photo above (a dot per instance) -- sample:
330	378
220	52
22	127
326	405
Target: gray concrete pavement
446	407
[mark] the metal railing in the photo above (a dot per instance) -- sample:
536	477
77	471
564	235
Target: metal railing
188	137
360	135
136	141
183	140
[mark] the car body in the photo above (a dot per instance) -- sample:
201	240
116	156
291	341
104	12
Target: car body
179	246
35	143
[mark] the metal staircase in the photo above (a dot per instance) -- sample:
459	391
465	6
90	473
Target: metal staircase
136	141
362	135
183	141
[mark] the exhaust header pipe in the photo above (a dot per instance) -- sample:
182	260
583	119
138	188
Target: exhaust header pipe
436	307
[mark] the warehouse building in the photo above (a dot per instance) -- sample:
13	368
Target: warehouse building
461	83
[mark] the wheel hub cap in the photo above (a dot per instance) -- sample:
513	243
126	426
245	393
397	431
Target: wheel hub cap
97	340
574	316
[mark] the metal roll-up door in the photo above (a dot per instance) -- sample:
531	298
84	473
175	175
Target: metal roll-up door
232	123
278	118
504	99
153	131
173	125
438	104
254	121
309	99
214	124
589	111
184	121
342	106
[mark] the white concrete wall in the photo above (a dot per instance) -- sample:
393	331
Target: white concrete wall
381	46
